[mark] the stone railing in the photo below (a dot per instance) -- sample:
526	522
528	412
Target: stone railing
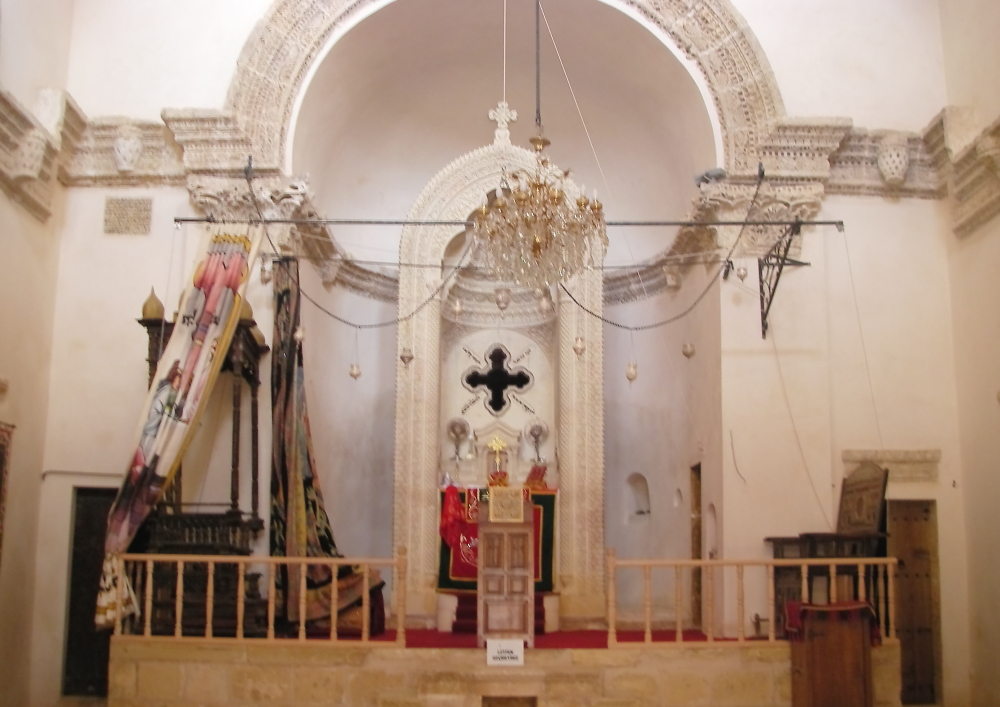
848	579
224	597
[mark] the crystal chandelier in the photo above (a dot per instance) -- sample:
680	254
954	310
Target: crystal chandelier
531	233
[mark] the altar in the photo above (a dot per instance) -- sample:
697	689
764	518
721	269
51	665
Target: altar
457	568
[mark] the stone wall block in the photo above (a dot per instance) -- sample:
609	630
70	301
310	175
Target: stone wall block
364	687
680	687
632	684
159	681
205	684
121	680
316	685
306	655
742	687
573	683
260	684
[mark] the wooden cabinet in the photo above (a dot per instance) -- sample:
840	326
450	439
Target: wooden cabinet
831	656
506	594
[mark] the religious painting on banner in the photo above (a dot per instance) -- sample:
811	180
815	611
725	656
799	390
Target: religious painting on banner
459	528
188	367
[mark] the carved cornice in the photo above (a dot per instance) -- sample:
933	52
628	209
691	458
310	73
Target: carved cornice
887	163
27	158
213	142
800	149
975	181
121	152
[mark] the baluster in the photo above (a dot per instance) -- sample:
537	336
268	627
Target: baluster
401	596
647	603
892	599
302	601
833	584
179	600
740	607
862	579
210	600
612	618
771	611
272	571
241	578
365	608
333	602
148	630
710	601
119	593
804	569
885	598
678	603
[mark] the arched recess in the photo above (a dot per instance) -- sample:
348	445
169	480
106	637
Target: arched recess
452	195
294	35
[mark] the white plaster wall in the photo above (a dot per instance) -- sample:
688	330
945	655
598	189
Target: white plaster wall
353	423
879	63
34	46
28	270
972	55
655	426
900	277
975	300
136	58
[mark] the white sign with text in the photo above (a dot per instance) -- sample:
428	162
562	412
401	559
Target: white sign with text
503	651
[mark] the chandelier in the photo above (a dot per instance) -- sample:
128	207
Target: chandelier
531	233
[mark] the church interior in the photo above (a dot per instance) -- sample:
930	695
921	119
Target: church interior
752	382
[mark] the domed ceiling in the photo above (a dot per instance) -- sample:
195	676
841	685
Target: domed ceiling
408	89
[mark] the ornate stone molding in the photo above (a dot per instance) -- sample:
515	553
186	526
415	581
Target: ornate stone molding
886	163
213	142
27	158
276	59
121	152
800	149
229	198
903	464
975	181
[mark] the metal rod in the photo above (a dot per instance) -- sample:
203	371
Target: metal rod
434	222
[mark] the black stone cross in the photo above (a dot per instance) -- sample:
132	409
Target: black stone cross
497	378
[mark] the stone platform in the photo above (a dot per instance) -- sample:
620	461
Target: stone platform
160	672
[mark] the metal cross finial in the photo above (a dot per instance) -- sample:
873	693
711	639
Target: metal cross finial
503	115
497	445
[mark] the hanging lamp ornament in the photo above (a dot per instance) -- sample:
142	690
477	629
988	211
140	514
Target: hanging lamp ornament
687	350
300	334
632	371
741	273
406	355
502	298
578	346
534	234
355	371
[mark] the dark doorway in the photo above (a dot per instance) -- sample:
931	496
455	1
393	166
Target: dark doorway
85	668
696	546
912	529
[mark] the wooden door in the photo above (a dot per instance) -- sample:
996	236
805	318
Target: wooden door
912	529
85	668
506	587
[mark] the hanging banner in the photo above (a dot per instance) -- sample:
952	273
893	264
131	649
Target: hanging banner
188	367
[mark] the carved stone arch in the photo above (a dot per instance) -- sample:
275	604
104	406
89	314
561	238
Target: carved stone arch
294	35
451	196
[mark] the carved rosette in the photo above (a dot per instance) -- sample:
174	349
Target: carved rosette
893	158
